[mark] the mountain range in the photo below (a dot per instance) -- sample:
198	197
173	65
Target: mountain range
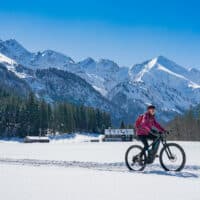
122	91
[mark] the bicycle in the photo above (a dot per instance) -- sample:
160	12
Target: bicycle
172	156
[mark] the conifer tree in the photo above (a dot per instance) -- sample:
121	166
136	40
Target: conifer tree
122	125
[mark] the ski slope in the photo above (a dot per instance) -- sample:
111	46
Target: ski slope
91	171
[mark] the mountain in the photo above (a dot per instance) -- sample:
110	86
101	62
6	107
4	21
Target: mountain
102	75
160	82
39	60
12	49
53	85
123	91
57	85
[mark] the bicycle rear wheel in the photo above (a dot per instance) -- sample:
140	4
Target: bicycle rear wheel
172	157
134	158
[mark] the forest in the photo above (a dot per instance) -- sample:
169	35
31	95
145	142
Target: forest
22	116
186	127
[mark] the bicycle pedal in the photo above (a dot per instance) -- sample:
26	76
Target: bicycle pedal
156	156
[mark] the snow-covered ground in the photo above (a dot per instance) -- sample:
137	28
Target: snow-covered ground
74	171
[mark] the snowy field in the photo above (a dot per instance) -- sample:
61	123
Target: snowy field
91	171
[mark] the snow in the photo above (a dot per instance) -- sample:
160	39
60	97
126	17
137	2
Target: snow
5	59
75	138
191	84
101	90
36	137
18	74
11	66
145	70
160	67
91	171
194	85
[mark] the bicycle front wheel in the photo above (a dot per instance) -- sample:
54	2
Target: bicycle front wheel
135	159
172	157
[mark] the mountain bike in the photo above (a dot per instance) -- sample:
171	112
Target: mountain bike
172	156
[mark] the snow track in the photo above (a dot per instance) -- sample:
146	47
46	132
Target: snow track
190	171
117	166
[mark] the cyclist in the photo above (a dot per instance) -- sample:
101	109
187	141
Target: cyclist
146	128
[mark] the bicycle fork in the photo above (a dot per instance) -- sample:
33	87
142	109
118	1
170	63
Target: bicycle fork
169	153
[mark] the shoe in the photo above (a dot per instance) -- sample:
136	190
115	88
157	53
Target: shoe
149	160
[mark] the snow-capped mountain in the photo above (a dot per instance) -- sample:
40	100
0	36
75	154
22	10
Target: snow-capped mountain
39	60
120	90
53	85
12	49
58	85
102	75
160	82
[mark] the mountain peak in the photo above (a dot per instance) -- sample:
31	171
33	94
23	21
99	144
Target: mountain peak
56	55
12	43
104	60
87	61
12	48
164	61
162	58
156	65
50	52
11	40
108	63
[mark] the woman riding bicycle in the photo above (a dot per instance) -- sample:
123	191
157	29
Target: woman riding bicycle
171	156
146	128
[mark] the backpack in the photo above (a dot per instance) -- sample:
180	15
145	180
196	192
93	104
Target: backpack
138	121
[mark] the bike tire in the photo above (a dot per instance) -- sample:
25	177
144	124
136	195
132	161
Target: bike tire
126	158
182	153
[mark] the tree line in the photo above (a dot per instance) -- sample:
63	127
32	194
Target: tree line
187	126
31	116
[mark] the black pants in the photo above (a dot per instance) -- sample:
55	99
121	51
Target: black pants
144	139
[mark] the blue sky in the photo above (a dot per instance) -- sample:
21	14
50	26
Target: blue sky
127	32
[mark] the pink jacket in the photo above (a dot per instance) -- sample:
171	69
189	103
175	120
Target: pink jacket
147	123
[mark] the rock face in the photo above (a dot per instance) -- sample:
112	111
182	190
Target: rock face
122	91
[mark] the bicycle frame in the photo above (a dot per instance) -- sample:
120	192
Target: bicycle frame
161	139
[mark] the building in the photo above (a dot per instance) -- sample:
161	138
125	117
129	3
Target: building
118	134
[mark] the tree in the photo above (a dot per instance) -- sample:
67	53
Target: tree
122	125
